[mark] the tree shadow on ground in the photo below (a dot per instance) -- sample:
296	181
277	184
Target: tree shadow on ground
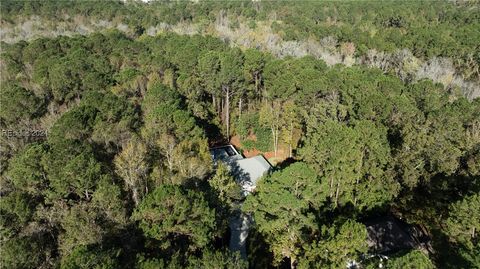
213	133
428	205
447	255
259	256
283	164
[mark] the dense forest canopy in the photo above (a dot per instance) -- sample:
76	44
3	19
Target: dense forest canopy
412	39
105	139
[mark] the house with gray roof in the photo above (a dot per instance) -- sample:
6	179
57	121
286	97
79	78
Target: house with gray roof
247	172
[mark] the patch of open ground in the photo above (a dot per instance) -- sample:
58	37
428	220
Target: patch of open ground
282	152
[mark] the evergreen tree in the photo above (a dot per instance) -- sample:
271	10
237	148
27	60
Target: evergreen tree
171	215
282	209
337	246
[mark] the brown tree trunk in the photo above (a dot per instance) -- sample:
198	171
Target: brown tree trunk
290	140
336	194
357	180
275	138
227	112
169	157
214	103
222	109
331	187
256	83
276	142
292	263
240	108
135	195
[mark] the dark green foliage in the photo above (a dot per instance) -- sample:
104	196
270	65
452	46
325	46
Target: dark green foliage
354	162
219	259
108	201
19	104
282	211
463	223
72	169
472	256
116	119
75	125
143	263
124	177
208	260
26	171
21	253
412	259
70	71
105	118
163	114
225	187
170	213
246	124
17	209
263	139
337	246
252	134
84	257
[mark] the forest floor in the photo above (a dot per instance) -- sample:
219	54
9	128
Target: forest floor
282	152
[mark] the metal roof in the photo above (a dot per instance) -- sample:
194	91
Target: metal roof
252	169
225	154
246	171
